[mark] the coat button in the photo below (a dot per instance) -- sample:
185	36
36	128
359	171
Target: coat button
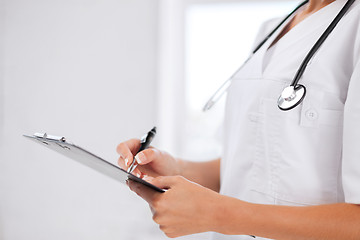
312	114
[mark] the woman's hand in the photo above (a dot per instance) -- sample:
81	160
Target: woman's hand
185	208
151	161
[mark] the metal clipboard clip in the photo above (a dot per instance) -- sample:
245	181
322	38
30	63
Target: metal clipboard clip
86	158
49	137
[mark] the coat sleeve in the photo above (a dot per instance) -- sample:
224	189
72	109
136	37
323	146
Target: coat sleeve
351	140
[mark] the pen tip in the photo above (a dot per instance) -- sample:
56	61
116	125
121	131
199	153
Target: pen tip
154	129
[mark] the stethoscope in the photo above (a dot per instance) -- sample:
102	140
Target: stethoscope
294	94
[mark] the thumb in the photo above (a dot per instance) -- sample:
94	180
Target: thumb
166	182
146	156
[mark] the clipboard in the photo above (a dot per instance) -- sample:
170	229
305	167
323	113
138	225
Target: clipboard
68	149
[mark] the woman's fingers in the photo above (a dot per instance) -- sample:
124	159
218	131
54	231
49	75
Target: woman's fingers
148	155
147	193
135	172
165	182
143	191
150	161
126	151
147	178
122	164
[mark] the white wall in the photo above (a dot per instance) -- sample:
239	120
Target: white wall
85	69
2	23
89	70
2	28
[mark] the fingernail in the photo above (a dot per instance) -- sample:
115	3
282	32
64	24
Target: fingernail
140	158
126	161
147	178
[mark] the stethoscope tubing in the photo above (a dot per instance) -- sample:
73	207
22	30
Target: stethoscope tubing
318	44
217	95
223	88
278	26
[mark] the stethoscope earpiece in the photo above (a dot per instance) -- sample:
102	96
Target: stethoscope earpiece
291	97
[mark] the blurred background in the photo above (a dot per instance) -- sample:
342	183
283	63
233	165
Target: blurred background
100	72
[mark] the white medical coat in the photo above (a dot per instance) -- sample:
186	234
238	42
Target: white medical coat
309	155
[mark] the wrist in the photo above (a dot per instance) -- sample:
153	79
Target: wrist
217	212
233	216
179	166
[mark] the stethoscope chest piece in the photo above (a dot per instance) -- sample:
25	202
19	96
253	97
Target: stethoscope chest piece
291	97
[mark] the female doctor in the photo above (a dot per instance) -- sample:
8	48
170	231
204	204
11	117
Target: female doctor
284	174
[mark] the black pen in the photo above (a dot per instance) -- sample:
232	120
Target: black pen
145	143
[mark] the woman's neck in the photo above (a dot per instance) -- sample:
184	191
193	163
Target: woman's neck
315	5
312	7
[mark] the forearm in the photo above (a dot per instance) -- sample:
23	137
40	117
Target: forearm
335	221
206	173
